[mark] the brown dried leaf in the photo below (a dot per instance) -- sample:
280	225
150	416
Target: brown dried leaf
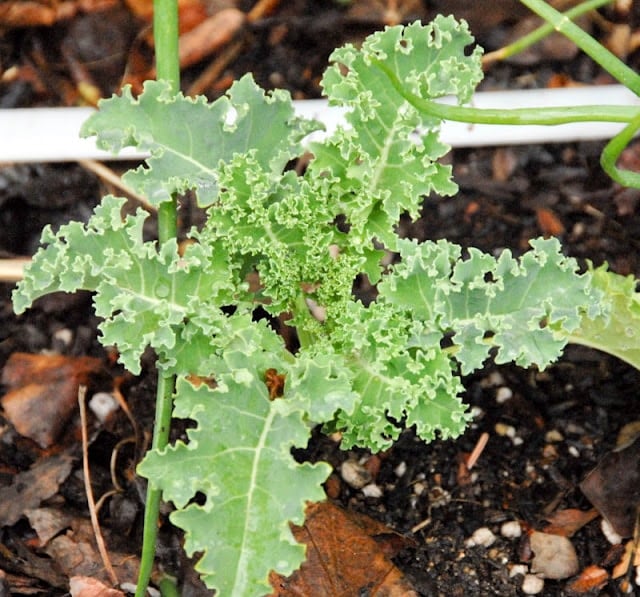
43	392
76	555
345	555
591	579
613	487
210	35
568	522
48	522
548	222
31	488
83	586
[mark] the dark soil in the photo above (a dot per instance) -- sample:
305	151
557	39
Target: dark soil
586	396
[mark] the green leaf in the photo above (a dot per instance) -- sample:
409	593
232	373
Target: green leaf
145	295
401	374
385	160
187	138
618	331
526	309
238	458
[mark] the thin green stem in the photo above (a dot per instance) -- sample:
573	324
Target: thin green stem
521	116
162	425
606	59
165	36
612	152
541	32
165	33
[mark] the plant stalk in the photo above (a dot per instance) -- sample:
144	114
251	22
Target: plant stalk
161	428
541	32
165	33
606	59
547	116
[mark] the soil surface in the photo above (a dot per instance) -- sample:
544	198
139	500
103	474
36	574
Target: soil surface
546	429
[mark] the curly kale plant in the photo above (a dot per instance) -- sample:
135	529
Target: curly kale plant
366	371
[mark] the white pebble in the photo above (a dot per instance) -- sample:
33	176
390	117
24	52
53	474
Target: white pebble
419	487
64	336
372	490
518	569
495	378
354	474
103	404
503	394
511	529
532	584
609	533
574	451
401	469
553	436
505	430
482	536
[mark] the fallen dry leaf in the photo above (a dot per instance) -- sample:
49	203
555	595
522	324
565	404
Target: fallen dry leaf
83	586
548	222
210	35
591	579
30	488
568	522
43	392
613	487
48	522
75	553
344	558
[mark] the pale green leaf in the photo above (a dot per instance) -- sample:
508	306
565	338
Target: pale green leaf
386	159
618	332
144	295
187	138
524	308
238	458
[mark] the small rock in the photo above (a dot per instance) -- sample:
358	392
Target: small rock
532	584
553	436
354	474
554	556
103	405
609	532
503	394
516	569
505	430
482	536
511	529
401	469
372	490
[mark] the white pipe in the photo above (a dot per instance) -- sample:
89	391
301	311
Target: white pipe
52	134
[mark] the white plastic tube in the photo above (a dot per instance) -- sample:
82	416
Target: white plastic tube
52	134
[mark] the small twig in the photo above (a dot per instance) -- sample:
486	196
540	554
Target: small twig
215	69
82	391
114	461
110	177
477	450
11	270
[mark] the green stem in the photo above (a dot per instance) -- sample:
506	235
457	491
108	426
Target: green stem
606	59
541	32
165	36
162	424
612	152
165	32
540	116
